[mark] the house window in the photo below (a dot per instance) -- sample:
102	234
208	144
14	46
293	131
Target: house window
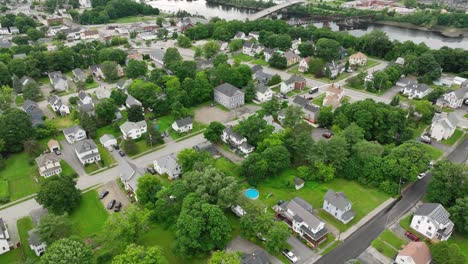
430	228
419	221
417	227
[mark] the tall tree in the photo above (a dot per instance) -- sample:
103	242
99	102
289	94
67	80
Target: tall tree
136	69
277	237
135	113
445	253
210	49
171	57
53	227
15	128
327	49
118	96
68	251
109	69
213	132
105	110
58	194
31	91
191	159
459	214
222	257
148	187
135	254
447	176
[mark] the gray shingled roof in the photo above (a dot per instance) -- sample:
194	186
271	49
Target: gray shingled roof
37	214
230	131
34	238
301	101
130	173
302	211
85	145
131	101
169	162
434	211
72	130
44	158
256	68
228	89
261	88
184	122
337	199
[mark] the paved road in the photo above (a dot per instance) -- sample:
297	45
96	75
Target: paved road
357	243
460	153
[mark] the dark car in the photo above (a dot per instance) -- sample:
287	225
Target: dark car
117	207
121	153
327	135
151	170
411	236
111	204
57	151
103	194
166	133
116	147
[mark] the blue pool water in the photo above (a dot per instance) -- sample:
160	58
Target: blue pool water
251	193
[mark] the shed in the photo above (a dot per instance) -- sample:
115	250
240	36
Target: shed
298	183
53	145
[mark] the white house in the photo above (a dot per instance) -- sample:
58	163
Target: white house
239	35
35	242
102	93
4	238
58	80
84	98
183	125
237	141
254	35
416	90
168	165
108	141
304	64
48	165
129	174
87	151
58	106
74	134
157	55
338	205
294	82
298	214
414	253
263	93
454	99
433	221
133	130
443	125
358	58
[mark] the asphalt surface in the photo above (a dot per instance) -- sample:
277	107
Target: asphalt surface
357	243
460	153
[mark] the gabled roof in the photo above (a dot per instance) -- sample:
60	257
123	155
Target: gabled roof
302	212
43	159
131	101
228	90
337	199
86	108
261	88
301	101
168	162
418	251
435	211
248	44
184	122
289	55
157	54
230	132
256	68
72	130
37	214
82	95
105	138
34	237
130	173
28	105
128	126
448	121
85	146
294	78
358	55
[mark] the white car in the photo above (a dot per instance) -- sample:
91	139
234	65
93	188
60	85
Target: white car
422	175
290	256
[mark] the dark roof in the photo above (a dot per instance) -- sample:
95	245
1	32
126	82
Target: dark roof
298	181
34	111
233	134
257	257
256	68
261	88
85	145
72	130
299	100
434	211
337	199
34	238
184	121
228	89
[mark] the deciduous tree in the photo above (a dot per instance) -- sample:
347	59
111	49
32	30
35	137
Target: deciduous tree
135	254
213	132
68	251
58	194
53	227
277	237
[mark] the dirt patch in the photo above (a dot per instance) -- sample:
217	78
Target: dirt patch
207	114
116	193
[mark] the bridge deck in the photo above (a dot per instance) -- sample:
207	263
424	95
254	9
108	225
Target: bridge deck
273	9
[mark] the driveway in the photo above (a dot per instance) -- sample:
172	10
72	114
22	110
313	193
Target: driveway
116	193
247	247
460	153
303	253
68	154
318	132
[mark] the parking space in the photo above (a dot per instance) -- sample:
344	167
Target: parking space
115	193
302	252
317	133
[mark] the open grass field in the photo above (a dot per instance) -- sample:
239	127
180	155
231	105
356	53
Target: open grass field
456	135
164	123
389	237
24	225
318	100
282	188
63	122
228	168
132	19
383	248
388	243
433	152
109	129
67	170
89	218
20	176
260	62
242	57
14	256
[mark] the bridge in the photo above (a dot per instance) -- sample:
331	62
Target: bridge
265	12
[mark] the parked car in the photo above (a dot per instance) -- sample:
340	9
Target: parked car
166	133
121	153
116	147
411	236
426	139
111	204
117	207
422	175
327	135
313	90
103	194
290	255
57	151
151	170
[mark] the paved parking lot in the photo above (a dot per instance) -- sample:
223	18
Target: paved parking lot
318	132
114	193
302	252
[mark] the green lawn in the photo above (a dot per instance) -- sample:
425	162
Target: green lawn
331	247
109	129
461	241
62	122
164	123
433	152
14	256
132	19
4	191
20	175
106	156
383	248
242	57
330	240
333	221
260	62
456	135
89	218
90	168
392	239
228	167
24	225
66	169
405	222
318	100
92	85
388	243
282	188
19	100
465	116
371	63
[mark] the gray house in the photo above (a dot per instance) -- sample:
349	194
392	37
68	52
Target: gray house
336	204
79	75
58	80
229	96
35	113
129	174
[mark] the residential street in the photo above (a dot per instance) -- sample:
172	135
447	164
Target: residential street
460	154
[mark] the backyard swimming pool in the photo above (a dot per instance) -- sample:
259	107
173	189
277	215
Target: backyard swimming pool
252	193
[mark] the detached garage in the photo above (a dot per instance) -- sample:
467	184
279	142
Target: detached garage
108	140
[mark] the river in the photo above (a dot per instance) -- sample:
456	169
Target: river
200	7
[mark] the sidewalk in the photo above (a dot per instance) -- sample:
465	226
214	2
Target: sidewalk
366	219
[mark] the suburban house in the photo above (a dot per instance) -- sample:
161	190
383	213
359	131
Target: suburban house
58	80
84	98
335	69
74	134
432	221
56	103
236	141
132	101
133	130
25	80
262	77
295	43
183	125
334	96
129	174
416	90
459	80
35	113
157	55
168	165
310	110
87	151
443	125
298	183
102	93
400	61
228	96
4	238
34	240
53	145
86	108
124	84
263	93
294	82
268	53
49	165
304	64
89	34
251	49
96	71
254	35
404	82
239	35
297	213
358	59
454	99
338	205
108	141
291	58
79	75
256	257
414	253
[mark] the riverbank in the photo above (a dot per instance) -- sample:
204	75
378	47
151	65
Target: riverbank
443	31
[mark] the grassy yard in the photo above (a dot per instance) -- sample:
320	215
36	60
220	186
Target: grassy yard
106	156
465	116
333	221
164	123
260	62
14	256
330	248
24	225
20	175
388	243
461	241
92	85
383	248
19	100
89	218
318	100
4	191
90	168
405	222
109	129
433	152
66	169
228	167
371	63
242	57
392	239
456	135
282	188
63	122
132	19
330	240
